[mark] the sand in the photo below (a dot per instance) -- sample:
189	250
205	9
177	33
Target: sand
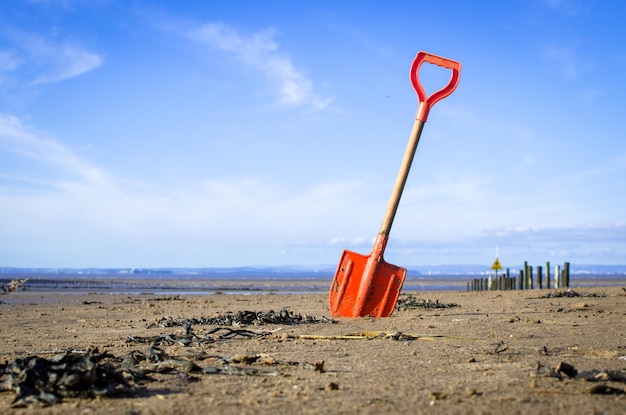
494	352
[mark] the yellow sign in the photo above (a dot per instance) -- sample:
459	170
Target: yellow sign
496	264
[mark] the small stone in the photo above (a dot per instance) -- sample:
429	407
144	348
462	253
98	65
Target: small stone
319	366
566	369
332	386
470	392
438	395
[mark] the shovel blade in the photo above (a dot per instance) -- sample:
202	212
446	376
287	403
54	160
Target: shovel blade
363	286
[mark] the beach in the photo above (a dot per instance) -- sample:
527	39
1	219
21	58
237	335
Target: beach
441	352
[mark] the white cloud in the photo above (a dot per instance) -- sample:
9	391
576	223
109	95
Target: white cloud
67	62
9	61
582	244
19	139
79	209
261	52
50	193
36	60
356	241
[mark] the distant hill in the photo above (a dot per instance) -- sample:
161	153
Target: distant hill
322	269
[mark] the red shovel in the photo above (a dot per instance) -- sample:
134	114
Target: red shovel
367	285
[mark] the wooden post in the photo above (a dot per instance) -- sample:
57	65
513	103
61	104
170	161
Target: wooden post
548	274
529	277
526	275
520	281
508	280
539	277
566	274
557	276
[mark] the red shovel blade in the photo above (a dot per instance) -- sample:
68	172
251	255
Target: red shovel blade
365	286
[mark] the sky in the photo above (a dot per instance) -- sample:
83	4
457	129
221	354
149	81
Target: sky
215	134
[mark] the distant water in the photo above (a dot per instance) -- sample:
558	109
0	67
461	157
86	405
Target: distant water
247	283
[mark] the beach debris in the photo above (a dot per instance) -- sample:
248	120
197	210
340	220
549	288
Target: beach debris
411	302
570	294
188	337
265	360
436	395
561	371
156	361
38	381
245	318
331	386
44	382
605	390
605	375
14	285
499	347
167	298
238	370
229	320
564	368
371	335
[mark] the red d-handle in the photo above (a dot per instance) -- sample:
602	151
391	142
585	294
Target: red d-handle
425	102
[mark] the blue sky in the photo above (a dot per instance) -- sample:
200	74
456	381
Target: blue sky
198	134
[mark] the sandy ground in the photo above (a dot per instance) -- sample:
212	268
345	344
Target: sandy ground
492	353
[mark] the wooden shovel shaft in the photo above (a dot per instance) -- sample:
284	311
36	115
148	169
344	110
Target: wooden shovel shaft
403	174
425	104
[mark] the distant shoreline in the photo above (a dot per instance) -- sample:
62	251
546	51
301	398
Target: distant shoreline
243	283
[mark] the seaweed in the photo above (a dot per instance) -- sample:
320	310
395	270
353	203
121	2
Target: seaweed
245	318
40	381
411	302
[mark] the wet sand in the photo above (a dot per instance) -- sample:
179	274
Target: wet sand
451	352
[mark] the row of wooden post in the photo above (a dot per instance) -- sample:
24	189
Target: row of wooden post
524	281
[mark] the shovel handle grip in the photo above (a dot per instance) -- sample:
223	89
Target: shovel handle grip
426	102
